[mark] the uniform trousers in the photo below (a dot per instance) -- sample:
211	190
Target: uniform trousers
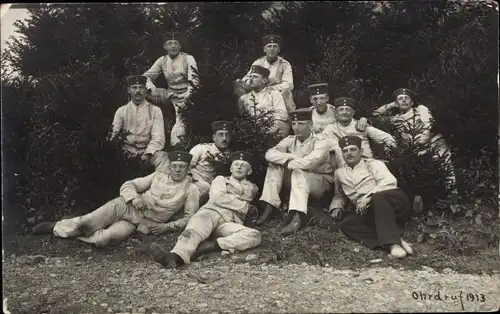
383	223
301	183
230	235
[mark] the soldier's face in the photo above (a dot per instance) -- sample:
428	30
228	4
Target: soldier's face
320	102
257	80
272	50
222	139
173	47
137	92
352	154
240	169
301	129
178	170
404	102
344	113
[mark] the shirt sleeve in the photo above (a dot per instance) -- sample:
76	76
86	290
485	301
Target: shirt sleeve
157	141
426	118
191	206
131	189
279	107
192	70
384	110
286	78
196	151
313	159
117	123
380	136
339	199
279	154
384	178
154	71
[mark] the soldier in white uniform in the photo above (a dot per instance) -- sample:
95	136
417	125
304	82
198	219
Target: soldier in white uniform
145	204
409	115
323	113
305	159
263	99
376	209
223	216
281	74
346	125
205	155
143	120
179	70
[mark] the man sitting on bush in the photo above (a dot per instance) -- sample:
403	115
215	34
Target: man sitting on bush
145	204
345	124
302	163
142	121
222	216
179	69
414	122
209	159
262	99
381	209
323	113
281	73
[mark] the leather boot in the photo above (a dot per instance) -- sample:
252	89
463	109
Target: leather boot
44	227
295	224
206	248
268	211
166	259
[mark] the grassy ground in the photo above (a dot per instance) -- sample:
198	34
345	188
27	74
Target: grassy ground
457	244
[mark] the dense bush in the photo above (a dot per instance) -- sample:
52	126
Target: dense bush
56	116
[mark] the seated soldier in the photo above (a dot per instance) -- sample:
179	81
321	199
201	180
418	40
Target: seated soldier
302	162
143	120
145	203
281	74
410	115
223	216
323	113
179	69
345	124
206	156
381	209
262	99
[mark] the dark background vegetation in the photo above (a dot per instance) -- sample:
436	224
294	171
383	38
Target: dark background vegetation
57	113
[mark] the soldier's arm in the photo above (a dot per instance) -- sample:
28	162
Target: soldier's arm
384	178
321	149
279	153
191	206
132	188
385	109
286	78
197	151
379	136
192	69
117	123
157	141
154	71
339	199
279	107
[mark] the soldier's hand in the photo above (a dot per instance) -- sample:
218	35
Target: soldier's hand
146	158
138	203
157	229
362	206
362	124
336	213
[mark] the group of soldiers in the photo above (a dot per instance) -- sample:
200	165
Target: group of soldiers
328	156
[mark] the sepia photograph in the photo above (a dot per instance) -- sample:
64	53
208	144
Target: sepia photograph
250	157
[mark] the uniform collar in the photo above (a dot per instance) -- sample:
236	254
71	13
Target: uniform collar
142	104
361	164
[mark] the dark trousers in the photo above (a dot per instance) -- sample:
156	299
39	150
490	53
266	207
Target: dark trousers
383	223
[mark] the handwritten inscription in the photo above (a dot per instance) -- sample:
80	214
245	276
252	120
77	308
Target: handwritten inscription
469	297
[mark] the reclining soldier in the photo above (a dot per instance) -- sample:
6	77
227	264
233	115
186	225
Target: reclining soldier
145	204
222	216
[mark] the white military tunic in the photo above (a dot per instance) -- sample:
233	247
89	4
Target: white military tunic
321	120
116	220
280	78
145	124
311	171
265	100
178	72
223	215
